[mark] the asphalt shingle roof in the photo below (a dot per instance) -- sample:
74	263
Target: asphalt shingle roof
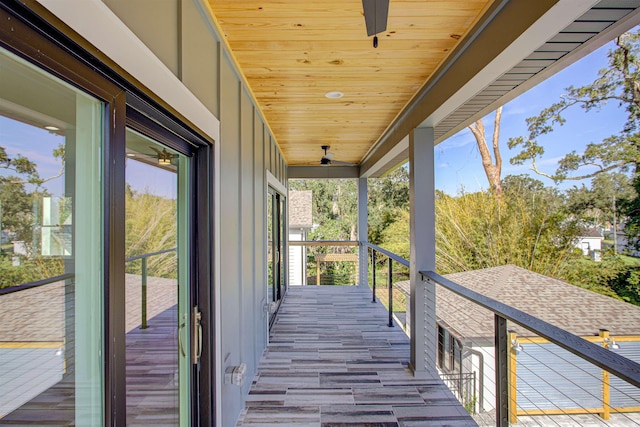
300	209
577	310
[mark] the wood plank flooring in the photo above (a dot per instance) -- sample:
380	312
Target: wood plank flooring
332	361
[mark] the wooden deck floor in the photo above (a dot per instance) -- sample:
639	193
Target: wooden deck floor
333	361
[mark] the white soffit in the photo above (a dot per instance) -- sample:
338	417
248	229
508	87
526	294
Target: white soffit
555	20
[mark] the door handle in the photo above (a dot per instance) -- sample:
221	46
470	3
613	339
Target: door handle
196	335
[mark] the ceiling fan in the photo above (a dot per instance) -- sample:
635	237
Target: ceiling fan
376	13
327	159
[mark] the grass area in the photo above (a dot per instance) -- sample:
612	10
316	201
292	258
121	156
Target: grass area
629	260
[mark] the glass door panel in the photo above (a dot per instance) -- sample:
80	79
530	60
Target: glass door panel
270	250
51	250
157	284
275	251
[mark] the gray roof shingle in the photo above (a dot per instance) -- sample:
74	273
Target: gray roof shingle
300	209
577	310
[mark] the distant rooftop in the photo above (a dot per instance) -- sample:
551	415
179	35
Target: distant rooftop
569	307
300	209
590	232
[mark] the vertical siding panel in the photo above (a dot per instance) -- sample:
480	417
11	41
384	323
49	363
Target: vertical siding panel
160	34
259	246
229	235
199	56
247	236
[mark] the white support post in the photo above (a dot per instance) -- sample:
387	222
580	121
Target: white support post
423	252
363	231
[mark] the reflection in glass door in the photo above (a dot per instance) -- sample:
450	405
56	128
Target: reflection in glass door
51	263
275	251
157	284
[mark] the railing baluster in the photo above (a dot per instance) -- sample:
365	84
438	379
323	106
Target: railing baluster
144	293
502	371
373	267
390	289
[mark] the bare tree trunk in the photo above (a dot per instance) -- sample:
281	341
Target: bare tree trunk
491	169
615	228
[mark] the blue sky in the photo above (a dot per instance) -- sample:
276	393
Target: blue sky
458	162
37	145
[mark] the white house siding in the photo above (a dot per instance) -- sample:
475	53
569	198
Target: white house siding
489	381
590	244
297	259
178	55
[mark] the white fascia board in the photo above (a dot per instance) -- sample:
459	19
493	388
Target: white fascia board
551	23
391	155
94	21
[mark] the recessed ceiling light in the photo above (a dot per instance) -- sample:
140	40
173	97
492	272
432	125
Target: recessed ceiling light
334	94
131	154
54	128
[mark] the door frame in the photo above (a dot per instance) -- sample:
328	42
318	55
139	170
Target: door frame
32	32
273	185
200	205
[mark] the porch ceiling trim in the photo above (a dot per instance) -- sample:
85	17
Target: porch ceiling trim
322	172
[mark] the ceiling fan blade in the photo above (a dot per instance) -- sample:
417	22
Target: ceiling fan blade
339	163
328	156
376	13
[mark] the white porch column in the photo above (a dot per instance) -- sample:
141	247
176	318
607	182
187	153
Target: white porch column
363	232
423	251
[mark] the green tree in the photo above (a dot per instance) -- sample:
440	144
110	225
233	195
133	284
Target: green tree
151	226
528	227
395	237
387	196
602	202
619	82
335	205
16	201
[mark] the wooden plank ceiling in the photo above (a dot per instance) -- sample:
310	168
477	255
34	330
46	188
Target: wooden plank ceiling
292	52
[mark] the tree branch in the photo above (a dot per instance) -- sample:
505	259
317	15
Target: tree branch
496	135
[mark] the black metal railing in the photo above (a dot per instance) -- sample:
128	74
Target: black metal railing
463	386
595	354
143	293
391	258
37	283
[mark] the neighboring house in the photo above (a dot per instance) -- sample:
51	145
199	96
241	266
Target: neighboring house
590	242
300	222
466	340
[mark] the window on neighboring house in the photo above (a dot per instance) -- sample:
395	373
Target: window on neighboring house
449	351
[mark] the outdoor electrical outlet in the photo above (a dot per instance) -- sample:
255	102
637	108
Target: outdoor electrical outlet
235	374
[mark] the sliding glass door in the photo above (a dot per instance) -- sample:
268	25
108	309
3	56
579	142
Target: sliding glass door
51	249
105	234
276	257
158	286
